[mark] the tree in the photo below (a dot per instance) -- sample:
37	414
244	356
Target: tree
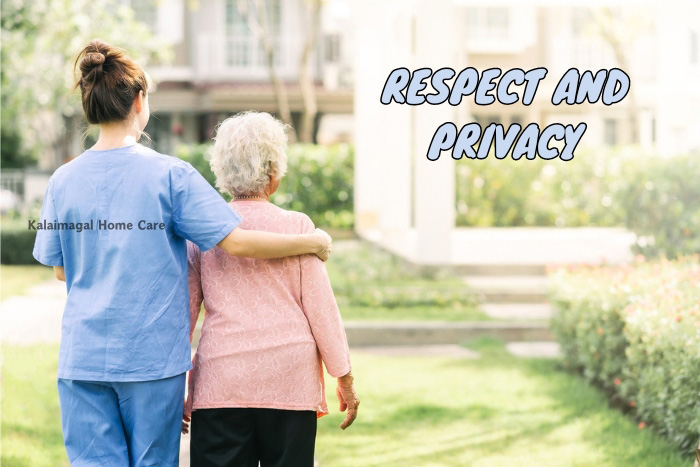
257	19
619	35
40	40
256	15
306	85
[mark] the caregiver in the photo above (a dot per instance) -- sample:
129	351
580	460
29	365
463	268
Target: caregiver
125	335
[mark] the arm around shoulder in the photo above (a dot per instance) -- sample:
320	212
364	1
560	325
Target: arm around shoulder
265	245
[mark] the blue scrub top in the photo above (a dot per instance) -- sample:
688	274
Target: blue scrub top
127	312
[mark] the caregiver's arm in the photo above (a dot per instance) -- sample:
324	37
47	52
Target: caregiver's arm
59	273
259	244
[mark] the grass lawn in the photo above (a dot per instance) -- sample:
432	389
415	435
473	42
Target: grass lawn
371	284
412	313
15	280
31	420
495	411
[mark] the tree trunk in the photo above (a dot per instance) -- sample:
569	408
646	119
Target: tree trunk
306	84
280	94
607	27
259	26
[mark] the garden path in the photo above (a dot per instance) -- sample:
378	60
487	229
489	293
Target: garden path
34	317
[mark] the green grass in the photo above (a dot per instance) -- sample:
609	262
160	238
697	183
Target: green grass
372	284
15	280
494	411
31	419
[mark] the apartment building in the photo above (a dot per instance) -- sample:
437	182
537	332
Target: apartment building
656	43
219	67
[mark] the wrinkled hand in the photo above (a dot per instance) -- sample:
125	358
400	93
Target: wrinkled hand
348	399
326	243
185	421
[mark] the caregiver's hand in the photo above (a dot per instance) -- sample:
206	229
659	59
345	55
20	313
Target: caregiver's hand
348	399
326	244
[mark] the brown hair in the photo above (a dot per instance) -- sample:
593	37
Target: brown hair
109	82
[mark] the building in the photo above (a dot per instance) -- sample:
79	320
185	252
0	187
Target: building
219	66
405	202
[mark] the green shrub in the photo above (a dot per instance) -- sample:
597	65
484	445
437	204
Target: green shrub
367	276
16	245
635	331
661	202
319	181
654	197
508	193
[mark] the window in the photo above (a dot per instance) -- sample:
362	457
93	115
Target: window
610	131
516	119
493	118
487	22
580	20
332	48
497	19
146	12
244	48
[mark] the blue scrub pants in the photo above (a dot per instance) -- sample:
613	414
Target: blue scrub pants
122	423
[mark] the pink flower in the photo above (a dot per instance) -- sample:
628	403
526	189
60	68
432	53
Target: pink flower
617	381
633	404
641	425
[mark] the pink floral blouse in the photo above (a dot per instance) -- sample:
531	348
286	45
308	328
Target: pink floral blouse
268	323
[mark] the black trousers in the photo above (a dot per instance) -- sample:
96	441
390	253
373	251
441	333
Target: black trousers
241	437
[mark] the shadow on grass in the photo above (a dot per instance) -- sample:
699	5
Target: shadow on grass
614	433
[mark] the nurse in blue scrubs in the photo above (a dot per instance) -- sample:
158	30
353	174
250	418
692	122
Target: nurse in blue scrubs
125	338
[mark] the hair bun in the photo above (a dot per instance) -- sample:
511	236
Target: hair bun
91	65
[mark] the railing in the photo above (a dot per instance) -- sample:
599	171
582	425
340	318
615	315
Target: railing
13	180
241	57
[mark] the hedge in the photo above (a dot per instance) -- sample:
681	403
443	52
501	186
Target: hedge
319	181
16	246
635	331
523	193
655	197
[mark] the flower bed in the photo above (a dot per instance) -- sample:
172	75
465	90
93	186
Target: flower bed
635	331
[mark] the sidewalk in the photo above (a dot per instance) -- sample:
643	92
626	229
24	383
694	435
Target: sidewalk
34	317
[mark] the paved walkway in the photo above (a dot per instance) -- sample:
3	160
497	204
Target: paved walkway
34	317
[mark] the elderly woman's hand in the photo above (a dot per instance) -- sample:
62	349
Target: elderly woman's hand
326	244
186	419
348	399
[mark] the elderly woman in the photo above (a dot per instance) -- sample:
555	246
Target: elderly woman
257	385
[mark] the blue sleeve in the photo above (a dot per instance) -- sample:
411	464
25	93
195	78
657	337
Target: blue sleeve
200	214
47	246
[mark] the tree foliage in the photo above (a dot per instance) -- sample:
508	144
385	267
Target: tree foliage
40	40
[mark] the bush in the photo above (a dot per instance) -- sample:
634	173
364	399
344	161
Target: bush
365	275
661	202
509	193
654	197
17	245
635	331
319	181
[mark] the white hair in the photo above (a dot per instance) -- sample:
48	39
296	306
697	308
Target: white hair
248	148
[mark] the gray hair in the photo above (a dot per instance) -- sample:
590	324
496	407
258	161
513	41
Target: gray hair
248	148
